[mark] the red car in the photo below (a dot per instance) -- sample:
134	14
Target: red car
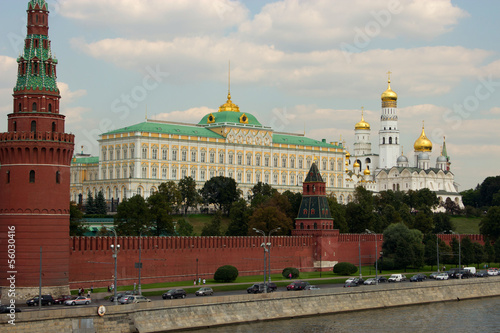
297	285
61	299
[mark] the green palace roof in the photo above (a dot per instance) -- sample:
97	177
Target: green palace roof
86	160
166	128
301	140
230	117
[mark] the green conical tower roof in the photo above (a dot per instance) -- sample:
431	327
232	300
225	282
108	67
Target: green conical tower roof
313	175
41	3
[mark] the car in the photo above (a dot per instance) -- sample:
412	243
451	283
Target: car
78	300
464	274
61	299
120	295
8	309
396	278
124	299
370	281
433	275
174	293
382	279
312	287
204	291
482	273
259	288
46	300
350	283
137	299
356	280
453	273
297	285
492	271
442	276
418	277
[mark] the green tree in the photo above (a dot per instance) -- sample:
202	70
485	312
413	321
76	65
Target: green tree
403	245
467	252
189	195
239	215
261	192
90	207
221	192
451	207
213	228
489	251
489	187
497	250
490	224
423	222
267	218
162	204
471	197
455	250
132	216
100	204
479	253
442	223
359	213
76	226
295	200
338	214
184	228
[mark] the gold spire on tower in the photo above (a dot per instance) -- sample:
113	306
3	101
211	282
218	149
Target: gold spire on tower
229	105
362	124
389	97
422	143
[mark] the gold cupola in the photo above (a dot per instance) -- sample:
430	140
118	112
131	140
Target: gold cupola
423	143
367	171
356	165
389	97
362	125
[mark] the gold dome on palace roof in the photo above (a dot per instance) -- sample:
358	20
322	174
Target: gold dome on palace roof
229	105
367	172
347	155
356	164
362	124
422	143
389	94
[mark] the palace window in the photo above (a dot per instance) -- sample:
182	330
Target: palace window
301	161
174	173
124	171
249	177
221	157
154	172
275	179
324	164
110	154
193	156
283	162
132	152
212	174
230	158
212	157
155	153
164	172
266	179
184	156
292	162
193	174
174	155
332	164
110	172
139	191
292	179
144	153
239	177
183	173
283	179
221	173
249	159
275	161
117	172
240	159
202	175
117	153
266	161
257	160
144	172
202	157
257	177
164	154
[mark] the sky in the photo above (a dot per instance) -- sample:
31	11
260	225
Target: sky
296	65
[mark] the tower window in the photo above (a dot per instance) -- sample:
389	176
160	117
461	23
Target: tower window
54	126
58	177
33	126
383	141
33	108
20	107
8	177
15	127
390	140
35	68
36	40
50	107
32	176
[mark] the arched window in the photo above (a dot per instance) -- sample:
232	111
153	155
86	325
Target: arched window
390	140
20	107
58	177
54	126
33	108
50	107
32	176
33	126
15	127
383	141
8	177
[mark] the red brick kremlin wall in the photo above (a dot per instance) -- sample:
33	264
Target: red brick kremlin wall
167	259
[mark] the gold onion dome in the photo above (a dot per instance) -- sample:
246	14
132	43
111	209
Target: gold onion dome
347	155
366	172
422	143
356	164
229	105
362	124
389	94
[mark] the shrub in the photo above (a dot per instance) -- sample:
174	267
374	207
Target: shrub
226	273
286	272
344	268
386	264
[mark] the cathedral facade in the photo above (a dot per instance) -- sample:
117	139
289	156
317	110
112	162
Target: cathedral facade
390	169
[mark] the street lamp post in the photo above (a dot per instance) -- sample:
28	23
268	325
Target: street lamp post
115	248
267	249
376	252
140	262
359	255
459	253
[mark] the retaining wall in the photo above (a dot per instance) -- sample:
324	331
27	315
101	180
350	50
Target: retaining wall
171	315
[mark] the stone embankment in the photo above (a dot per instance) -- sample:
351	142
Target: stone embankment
171	315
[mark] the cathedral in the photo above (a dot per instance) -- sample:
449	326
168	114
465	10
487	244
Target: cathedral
390	169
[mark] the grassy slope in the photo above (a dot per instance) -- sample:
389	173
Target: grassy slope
198	221
465	225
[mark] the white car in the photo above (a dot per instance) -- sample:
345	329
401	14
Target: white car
78	301
370	281
493	271
442	276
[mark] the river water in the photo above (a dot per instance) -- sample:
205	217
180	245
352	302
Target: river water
477	315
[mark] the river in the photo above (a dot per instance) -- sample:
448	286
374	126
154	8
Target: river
481	315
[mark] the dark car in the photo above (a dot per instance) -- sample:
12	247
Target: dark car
464	274
453	273
433	275
482	273
351	283
61	299
204	291
7	309
259	288
297	285
120	295
418	277
46	300
174	293
382	279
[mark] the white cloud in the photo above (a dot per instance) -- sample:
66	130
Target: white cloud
192	115
495	110
320	24
156	17
74	114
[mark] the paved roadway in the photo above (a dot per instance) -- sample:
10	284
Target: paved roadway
101	301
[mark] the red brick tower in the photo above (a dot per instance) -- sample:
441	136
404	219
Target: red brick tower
35	156
314	219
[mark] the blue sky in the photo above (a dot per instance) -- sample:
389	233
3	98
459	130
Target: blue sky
295	65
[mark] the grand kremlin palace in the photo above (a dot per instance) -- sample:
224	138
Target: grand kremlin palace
138	158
